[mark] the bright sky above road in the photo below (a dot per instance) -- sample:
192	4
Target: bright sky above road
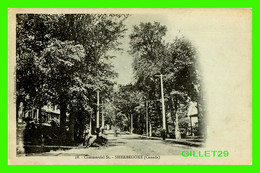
123	61
215	33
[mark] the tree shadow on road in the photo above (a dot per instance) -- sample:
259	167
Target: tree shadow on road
113	144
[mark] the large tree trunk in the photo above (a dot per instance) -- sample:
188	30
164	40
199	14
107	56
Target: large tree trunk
39	118
18	101
174	115
177	130
71	126
201	119
167	128
17	112
63	110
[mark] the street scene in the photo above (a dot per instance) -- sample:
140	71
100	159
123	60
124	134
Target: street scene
106	84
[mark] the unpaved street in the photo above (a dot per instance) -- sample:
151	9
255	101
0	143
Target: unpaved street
123	145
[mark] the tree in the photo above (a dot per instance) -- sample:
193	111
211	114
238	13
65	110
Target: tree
131	103
177	61
109	112
179	100
98	33
63	59
59	63
121	121
32	35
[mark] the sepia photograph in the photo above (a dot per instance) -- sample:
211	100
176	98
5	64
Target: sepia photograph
130	86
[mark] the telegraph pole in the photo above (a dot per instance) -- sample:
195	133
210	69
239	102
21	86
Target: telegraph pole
150	126
97	127
147	124
90	124
163	108
102	115
131	123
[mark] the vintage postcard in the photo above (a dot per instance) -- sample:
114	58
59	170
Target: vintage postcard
130	87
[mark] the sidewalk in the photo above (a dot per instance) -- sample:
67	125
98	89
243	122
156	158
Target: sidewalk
189	142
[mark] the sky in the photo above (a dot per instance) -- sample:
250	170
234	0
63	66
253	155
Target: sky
123	60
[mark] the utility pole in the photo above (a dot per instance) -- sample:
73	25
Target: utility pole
90	124
102	118
97	127
150	127
163	108
102	115
147	123
131	123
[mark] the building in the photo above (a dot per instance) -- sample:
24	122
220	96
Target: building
48	113
193	115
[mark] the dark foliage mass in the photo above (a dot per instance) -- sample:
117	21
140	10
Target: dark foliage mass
177	61
63	60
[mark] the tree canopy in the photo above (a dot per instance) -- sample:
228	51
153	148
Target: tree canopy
62	59
176	60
